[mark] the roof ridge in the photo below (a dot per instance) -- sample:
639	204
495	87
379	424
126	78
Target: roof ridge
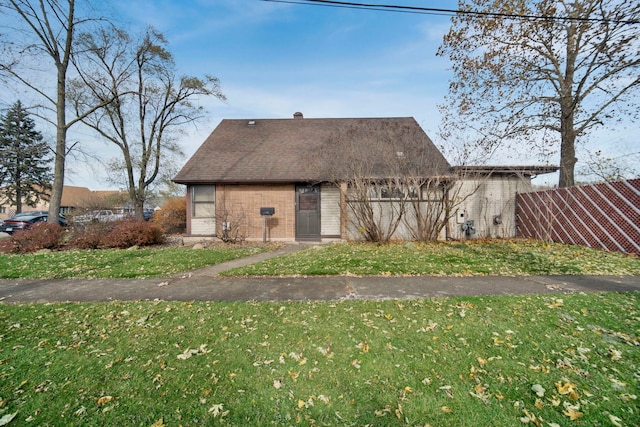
291	119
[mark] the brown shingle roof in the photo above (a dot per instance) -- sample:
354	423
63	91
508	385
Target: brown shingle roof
73	196
278	150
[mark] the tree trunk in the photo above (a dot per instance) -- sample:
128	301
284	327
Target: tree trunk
567	160
18	200
138	206
567	145
567	112
61	148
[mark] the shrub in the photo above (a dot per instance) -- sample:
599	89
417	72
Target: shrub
133	232
172	218
43	235
6	246
91	235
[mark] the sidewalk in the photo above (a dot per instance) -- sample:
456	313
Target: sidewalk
206	285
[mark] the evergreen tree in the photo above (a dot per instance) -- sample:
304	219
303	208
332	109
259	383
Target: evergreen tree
25	171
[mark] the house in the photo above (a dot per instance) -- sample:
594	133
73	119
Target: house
306	179
74	198
488	199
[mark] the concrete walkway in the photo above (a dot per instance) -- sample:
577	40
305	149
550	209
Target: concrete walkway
206	285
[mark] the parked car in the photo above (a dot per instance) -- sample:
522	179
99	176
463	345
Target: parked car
25	220
148	214
99	216
30	213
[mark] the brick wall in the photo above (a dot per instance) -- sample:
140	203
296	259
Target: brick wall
243	203
605	216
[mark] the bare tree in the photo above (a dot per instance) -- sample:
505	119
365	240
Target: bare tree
544	72
231	221
600	168
432	208
150	103
45	30
383	169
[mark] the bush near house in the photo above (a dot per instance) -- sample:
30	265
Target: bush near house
128	233
90	236
172	217
43	235
121	234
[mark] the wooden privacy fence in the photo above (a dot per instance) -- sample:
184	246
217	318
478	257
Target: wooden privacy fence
605	216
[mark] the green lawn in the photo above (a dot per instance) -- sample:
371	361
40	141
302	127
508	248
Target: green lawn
514	257
568	360
454	259
119	263
552	360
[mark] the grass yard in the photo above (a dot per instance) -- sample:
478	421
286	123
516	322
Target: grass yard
571	360
512	257
500	257
119	263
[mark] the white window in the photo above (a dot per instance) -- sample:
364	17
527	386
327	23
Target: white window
203	201
391	192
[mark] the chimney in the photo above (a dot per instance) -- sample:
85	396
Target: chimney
298	115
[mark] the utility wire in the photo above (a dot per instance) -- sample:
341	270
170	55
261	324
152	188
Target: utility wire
439	11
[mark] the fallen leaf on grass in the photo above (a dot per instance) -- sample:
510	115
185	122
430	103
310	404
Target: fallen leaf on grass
218	411
572	411
294	375
615	354
363	346
572	414
190	352
556	303
530	418
569	389
7	418
615	420
104	399
617	384
538	390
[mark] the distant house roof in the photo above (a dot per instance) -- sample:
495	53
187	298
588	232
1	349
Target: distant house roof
76	197
528	171
73	196
281	150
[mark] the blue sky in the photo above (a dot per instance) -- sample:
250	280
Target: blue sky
274	59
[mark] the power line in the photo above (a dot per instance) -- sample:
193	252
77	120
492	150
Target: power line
439	11
380	8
